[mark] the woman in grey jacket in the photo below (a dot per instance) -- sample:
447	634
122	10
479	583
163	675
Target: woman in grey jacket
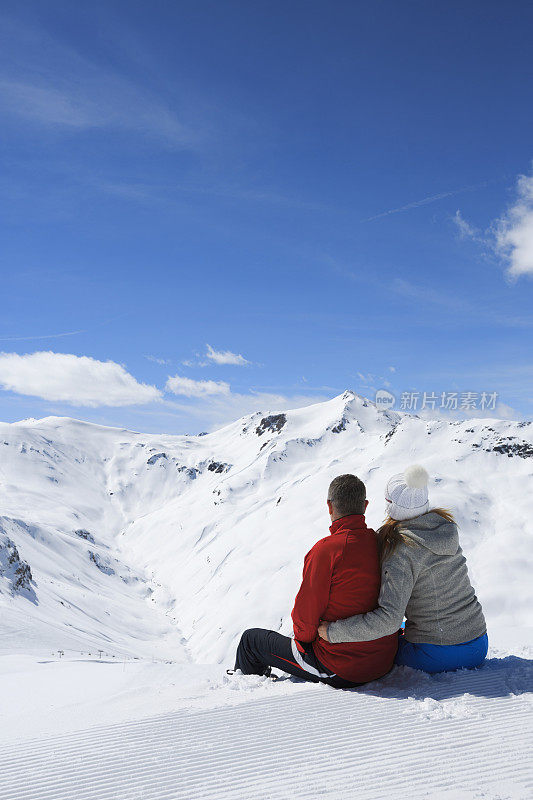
424	578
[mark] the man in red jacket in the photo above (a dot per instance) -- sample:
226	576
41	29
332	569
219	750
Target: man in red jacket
341	577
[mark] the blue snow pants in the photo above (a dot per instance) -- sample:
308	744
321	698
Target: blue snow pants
442	658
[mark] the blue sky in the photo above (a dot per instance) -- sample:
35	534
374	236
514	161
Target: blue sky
211	208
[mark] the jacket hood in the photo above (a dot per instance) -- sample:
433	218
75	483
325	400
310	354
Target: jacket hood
433	532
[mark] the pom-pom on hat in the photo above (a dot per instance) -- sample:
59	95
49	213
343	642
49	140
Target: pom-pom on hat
407	493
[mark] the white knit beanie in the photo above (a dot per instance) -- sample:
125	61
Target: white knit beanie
407	493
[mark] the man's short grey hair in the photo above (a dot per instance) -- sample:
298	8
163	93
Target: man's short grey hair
347	494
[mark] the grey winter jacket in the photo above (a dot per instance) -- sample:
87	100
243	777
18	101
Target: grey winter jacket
426	580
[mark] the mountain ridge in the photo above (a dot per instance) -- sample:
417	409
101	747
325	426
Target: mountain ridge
196	537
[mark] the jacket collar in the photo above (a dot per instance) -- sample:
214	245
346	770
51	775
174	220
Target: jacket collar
352	522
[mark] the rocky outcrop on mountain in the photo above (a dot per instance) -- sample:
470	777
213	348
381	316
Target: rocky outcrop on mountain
493	441
155	458
83	534
512	447
274	423
190	472
218	466
340	426
15	574
102	564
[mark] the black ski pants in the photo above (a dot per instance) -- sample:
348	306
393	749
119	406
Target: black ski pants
260	648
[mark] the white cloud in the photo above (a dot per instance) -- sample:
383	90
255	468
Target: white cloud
192	388
225	357
514	231
77	380
392	369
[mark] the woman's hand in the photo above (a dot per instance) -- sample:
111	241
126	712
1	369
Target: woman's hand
323	630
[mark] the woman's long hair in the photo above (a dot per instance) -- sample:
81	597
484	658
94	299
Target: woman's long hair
390	534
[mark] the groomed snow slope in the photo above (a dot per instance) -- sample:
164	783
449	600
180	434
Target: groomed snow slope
462	736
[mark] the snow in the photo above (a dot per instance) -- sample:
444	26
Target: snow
143	730
150	554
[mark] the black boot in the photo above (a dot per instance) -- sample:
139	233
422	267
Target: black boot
267	673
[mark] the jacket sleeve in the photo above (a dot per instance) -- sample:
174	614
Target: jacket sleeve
399	574
313	595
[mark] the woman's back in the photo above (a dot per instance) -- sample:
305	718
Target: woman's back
443	608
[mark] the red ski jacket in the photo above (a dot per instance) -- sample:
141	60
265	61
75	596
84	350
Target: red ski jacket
342	577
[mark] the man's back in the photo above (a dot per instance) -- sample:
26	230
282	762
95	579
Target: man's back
341	578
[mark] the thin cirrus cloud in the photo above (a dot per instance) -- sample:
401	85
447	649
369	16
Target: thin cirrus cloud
41	336
49	105
221	409
187	387
465	229
427	200
162	362
76	380
110	104
49	84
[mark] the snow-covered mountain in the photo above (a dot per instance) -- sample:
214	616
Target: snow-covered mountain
171	545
